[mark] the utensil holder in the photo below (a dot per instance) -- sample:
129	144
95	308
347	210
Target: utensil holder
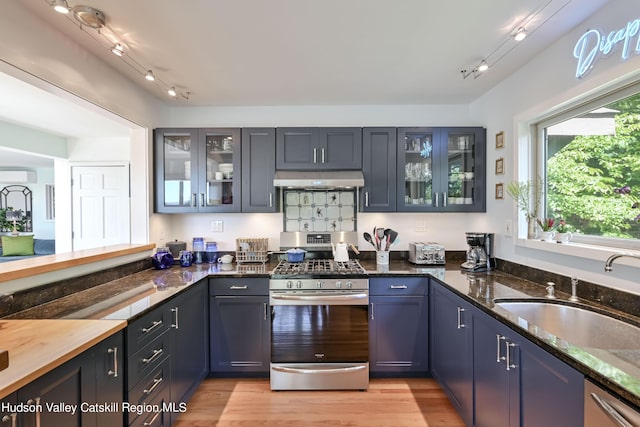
382	257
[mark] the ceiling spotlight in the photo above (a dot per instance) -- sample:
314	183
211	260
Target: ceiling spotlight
149	76
89	16
60	6
520	34
117	49
172	91
483	66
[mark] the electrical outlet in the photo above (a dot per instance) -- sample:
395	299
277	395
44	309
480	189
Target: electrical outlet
217	226
508	227
421	226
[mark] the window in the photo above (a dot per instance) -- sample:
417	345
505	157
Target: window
588	153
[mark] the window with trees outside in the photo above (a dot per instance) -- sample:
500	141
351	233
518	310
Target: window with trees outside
591	173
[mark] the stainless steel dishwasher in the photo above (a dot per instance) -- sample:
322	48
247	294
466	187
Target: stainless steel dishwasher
601	409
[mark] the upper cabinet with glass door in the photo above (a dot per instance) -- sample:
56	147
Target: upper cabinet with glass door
441	169
196	170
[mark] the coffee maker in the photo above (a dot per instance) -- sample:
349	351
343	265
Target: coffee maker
480	252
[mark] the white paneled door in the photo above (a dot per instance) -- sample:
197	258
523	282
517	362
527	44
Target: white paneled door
100	206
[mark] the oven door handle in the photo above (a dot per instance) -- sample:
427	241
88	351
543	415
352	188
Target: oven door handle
328	298
319	371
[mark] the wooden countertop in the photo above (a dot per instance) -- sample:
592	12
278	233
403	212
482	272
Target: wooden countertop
48	263
39	346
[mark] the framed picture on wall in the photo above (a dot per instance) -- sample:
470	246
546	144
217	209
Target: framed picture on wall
500	191
499	166
500	140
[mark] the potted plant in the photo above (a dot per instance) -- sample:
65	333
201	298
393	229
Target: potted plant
563	235
527	196
547	225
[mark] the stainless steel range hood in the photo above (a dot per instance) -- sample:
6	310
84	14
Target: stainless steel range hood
319	180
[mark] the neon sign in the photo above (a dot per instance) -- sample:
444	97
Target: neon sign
593	43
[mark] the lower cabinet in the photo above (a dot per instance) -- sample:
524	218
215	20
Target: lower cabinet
167	357
240	325
398	326
509	380
452	348
63	397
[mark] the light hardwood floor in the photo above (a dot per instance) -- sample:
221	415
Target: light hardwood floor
387	402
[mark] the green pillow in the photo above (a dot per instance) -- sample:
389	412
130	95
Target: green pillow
17	245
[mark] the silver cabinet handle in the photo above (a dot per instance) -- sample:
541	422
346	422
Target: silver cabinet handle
114	371
398	287
372	318
315	155
194	197
36	402
238	287
156	354
610	411
155	324
156	383
153	420
175	324
201	199
270	199
366	199
499	356
437	198
266	310
13	418
444	199
322	151
460	324
510	365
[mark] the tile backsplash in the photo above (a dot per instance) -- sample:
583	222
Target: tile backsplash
331	210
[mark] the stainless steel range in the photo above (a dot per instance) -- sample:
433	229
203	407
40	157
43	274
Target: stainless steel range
319	326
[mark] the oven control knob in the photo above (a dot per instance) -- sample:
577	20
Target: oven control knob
299	284
349	285
289	284
338	285
319	284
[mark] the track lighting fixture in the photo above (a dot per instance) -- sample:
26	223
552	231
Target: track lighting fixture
483	66
520	34
60	6
86	17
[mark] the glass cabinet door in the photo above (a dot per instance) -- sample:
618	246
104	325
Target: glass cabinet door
461	168
177	170
220	166
415	168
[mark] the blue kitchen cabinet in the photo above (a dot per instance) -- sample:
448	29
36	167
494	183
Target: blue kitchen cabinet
189	347
398	326
258	170
319	148
452	348
379	170
240	326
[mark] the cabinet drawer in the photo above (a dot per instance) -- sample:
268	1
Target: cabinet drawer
239	286
390	286
144	330
148	359
153	419
155	384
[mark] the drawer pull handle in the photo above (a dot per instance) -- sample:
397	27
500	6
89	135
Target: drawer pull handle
153	420
372	318
156	354
114	371
13	418
35	402
398	287
156	383
155	324
499	356
508	347
460	324
235	287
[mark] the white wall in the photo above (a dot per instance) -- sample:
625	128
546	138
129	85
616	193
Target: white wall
545	85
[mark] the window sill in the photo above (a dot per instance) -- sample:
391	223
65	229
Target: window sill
592	252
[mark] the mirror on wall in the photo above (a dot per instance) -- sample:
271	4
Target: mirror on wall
16	198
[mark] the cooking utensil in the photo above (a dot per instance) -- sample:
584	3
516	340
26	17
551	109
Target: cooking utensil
393	235
368	238
380	237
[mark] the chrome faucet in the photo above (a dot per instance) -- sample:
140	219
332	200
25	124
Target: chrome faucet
574	289
551	290
607	264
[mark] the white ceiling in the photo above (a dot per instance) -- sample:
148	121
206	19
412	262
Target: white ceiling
296	52
330	52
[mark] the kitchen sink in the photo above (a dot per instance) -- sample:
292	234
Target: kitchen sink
579	325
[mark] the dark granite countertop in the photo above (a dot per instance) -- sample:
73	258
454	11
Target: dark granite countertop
130	297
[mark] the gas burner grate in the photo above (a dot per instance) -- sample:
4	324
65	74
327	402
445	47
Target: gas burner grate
318	266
